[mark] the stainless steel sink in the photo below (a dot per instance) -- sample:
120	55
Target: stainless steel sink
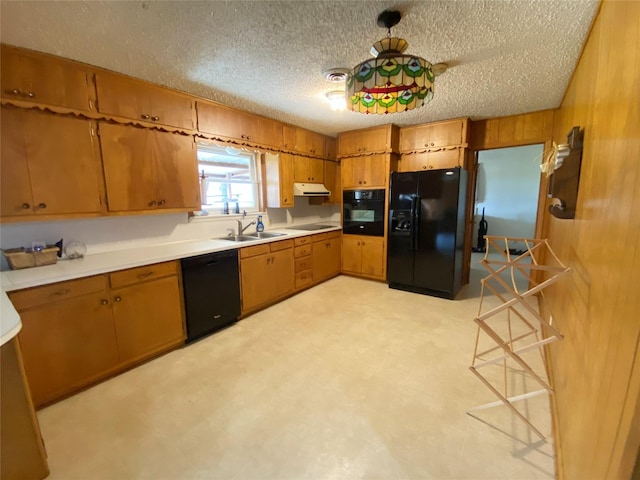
265	234
238	238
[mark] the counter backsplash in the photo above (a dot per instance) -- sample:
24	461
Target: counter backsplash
118	233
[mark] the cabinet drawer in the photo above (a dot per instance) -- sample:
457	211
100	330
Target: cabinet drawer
318	237
31	297
334	234
141	274
302	264
303	251
303	278
247	252
302	240
282	245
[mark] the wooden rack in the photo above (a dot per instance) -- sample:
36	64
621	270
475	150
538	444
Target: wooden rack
516	306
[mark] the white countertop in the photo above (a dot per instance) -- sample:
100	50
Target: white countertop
66	269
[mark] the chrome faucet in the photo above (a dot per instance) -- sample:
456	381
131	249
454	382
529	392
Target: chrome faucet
242	228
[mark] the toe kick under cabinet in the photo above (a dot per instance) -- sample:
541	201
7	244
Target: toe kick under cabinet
77	332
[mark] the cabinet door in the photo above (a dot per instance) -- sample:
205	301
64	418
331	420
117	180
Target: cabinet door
128	167
64	164
268	132
372	256
148	318
224	121
122	96
126	97
441	134
308	170
351	254
374	170
266	278
326	259
282	273
176	170
42	79
279	181
310	143
255	281
332	181
67	345
50	165
432	160
15	186
365	171
361	141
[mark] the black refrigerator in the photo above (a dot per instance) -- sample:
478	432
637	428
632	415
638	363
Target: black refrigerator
426	231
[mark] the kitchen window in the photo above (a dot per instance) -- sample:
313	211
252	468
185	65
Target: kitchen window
229	180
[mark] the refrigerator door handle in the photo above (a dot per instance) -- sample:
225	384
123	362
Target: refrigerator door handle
414	223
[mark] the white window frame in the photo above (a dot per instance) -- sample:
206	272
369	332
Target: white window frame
222	150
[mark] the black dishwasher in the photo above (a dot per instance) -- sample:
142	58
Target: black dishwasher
211	292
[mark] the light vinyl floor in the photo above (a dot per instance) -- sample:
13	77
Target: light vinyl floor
347	380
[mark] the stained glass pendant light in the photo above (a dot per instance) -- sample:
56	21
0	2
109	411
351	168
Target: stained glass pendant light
391	81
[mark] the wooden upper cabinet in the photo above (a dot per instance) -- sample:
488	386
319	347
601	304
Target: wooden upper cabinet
434	135
279	180
38	78
310	143
130	98
382	139
50	165
365	171
148	170
331	146
308	169
432	160
220	120
307	143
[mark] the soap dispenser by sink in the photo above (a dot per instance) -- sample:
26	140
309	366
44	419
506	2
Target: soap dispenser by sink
260	225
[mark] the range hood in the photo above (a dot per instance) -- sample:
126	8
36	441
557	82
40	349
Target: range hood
310	190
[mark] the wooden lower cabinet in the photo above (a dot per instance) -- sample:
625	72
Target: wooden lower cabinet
145	317
22	453
67	344
266	274
326	256
363	255
78	332
303	261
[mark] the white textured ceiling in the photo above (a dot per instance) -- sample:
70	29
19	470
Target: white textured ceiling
506	56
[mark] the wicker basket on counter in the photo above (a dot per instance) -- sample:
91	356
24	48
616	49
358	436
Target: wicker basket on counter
24	258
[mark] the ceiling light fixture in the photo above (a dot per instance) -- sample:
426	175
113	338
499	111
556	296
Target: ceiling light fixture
391	81
337	100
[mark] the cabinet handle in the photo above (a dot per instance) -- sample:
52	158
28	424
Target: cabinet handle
14	91
424	167
60	293
26	206
29	94
42	205
144	275
155	118
246	137
144	116
104	301
161	202
118	299
152	203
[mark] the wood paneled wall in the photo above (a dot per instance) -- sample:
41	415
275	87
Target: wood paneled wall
596	369
525	129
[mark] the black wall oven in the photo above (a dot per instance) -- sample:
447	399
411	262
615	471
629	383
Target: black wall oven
363	212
